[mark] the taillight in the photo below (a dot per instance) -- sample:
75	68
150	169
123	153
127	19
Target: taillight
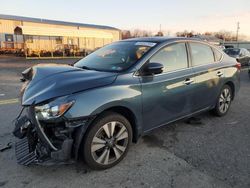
238	65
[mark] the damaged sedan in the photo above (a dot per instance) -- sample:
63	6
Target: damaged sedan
95	108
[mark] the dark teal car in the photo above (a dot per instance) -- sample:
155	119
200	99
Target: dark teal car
98	106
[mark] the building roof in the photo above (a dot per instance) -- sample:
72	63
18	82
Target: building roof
45	21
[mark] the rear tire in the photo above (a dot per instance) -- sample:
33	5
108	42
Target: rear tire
224	101
107	142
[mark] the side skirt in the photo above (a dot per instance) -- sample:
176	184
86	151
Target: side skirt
180	118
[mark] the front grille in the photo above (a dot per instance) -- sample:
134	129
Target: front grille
23	154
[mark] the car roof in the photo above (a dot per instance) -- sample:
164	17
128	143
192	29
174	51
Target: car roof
161	39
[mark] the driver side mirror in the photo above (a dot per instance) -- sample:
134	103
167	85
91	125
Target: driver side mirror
153	68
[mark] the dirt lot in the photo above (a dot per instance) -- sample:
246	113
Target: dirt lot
213	154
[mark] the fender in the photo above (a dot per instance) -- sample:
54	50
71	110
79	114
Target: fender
78	137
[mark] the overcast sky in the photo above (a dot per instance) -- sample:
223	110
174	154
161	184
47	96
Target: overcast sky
174	15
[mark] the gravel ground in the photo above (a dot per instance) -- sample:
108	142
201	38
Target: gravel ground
215	153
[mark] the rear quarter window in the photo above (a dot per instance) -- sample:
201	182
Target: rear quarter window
217	55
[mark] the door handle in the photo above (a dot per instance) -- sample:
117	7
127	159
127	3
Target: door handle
219	74
188	81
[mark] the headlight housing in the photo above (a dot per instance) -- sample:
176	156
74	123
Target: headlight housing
53	109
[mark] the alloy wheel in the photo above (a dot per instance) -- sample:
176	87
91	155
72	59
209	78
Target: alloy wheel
109	143
225	100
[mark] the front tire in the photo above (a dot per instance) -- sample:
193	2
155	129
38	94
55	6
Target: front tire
224	101
107	142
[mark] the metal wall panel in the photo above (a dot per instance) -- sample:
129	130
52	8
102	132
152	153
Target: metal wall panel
44	35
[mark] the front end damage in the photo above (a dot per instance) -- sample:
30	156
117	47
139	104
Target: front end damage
46	135
47	142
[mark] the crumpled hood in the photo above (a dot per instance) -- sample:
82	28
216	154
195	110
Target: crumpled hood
51	81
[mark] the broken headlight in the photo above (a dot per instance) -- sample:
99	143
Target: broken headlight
53	109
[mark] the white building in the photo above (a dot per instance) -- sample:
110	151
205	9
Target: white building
41	38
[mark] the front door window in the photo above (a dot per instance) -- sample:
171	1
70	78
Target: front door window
173	57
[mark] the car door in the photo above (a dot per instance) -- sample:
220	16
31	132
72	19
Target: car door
167	96
209	74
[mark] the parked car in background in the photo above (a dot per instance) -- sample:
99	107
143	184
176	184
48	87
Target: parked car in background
241	54
221	47
249	69
117	94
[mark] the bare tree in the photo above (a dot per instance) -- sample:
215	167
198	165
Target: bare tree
126	34
140	33
185	33
159	34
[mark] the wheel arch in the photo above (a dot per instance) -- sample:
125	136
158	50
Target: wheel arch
122	110
129	115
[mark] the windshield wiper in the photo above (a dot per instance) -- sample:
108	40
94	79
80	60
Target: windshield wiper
87	68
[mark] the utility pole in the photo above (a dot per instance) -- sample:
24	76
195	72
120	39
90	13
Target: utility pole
237	32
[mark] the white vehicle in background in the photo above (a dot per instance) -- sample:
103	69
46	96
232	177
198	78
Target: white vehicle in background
222	47
241	54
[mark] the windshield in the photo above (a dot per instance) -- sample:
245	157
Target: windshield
232	51
115	57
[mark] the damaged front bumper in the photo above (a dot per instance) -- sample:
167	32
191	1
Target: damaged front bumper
47	143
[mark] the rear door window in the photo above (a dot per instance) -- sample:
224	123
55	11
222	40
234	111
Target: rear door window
201	54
